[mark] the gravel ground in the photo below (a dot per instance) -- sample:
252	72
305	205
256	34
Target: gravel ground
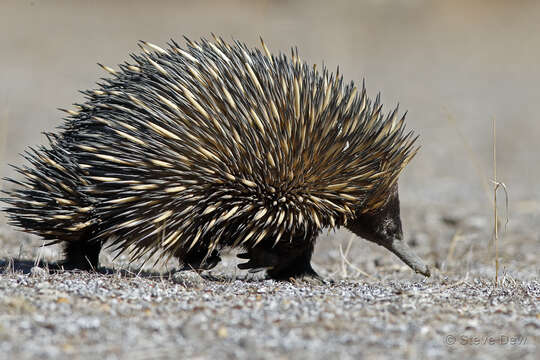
455	65
371	306
122	316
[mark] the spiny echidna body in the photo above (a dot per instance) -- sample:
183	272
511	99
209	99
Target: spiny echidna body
185	152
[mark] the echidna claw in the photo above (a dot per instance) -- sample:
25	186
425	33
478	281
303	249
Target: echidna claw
255	263
256	270
252	267
246	265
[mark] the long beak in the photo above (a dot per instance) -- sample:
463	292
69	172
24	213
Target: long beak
405	253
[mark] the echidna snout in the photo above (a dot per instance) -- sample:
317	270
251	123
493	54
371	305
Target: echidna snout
383	227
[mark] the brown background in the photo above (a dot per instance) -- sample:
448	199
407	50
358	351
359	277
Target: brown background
471	61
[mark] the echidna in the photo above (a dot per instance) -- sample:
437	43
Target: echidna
185	152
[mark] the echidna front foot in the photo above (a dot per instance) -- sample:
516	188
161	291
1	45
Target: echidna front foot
281	262
304	274
297	271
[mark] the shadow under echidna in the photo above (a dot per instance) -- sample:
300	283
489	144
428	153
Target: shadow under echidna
185	152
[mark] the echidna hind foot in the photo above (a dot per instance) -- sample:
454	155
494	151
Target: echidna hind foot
198	260
82	254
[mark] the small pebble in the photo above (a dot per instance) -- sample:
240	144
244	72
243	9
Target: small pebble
36	271
222	332
188	278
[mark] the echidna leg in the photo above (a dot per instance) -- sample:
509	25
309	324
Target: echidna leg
294	265
282	261
197	259
82	254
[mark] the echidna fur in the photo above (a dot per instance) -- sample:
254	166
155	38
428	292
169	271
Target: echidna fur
184	152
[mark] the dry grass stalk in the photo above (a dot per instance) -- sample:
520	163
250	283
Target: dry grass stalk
495	209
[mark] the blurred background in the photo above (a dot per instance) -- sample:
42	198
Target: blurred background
454	65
